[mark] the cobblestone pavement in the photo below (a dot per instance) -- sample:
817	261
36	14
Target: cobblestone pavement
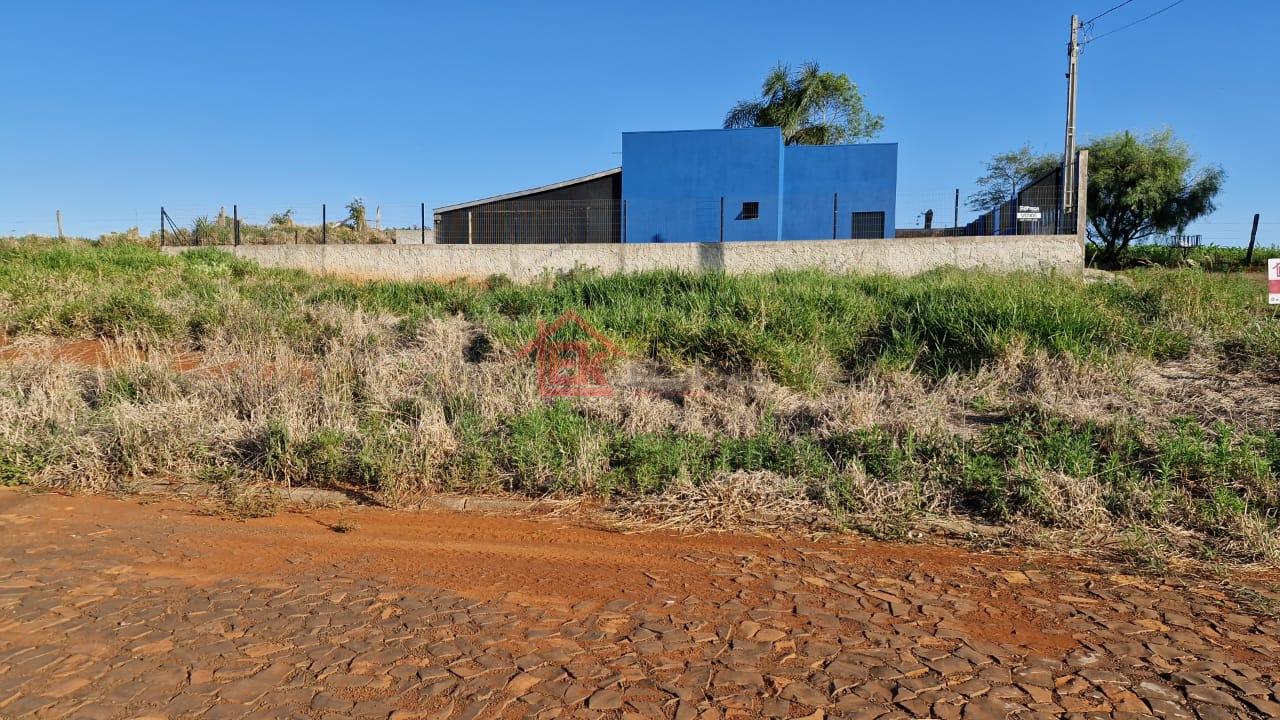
115	609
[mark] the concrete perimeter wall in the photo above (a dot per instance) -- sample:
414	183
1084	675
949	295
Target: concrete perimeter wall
1040	253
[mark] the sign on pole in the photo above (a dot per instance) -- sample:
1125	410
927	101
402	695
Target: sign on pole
1273	281
1028	212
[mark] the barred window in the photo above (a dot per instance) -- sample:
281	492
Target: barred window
868	225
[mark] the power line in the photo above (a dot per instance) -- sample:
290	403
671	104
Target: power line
1117	7
1135	22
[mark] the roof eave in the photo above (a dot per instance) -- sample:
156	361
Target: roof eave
530	191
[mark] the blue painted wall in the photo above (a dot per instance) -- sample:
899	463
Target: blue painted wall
672	184
864	177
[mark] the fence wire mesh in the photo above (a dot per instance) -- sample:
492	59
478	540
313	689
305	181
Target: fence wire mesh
1036	209
301	225
532	221
690	219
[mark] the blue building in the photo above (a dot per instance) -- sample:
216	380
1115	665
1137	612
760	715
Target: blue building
698	186
744	184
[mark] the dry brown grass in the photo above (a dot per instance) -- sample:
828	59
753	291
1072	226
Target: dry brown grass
148	413
739	501
164	418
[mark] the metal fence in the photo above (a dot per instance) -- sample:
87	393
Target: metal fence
1036	209
532	221
700	219
1033	210
302	225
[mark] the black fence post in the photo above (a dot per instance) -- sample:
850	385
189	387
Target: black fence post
161	226
235	225
324	226
835	214
624	221
955	220
1013	212
721	218
1059	210
1253	237
423	222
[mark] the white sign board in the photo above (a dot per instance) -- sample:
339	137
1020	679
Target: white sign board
1273	281
1028	212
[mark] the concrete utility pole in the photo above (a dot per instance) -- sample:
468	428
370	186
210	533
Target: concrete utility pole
1069	149
60	225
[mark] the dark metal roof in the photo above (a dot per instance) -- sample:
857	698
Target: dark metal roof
530	191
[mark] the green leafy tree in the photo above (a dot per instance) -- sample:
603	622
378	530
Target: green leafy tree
282	219
811	107
1139	187
1006	174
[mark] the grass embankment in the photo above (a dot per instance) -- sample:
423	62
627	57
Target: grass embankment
1020	400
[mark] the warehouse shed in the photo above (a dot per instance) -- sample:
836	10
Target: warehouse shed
581	210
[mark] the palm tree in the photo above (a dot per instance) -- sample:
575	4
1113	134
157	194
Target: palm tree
810	106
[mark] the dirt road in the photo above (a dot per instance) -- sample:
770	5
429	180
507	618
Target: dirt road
125	609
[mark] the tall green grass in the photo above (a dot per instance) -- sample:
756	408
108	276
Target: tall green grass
1033	465
798	327
1208	257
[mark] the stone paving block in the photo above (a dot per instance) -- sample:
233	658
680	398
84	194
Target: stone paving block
788	633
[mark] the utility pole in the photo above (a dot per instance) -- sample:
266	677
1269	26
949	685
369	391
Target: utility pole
1069	149
60	225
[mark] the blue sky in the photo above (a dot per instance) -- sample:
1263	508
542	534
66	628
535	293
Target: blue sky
112	109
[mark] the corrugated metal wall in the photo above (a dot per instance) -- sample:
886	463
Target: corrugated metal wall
586	212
